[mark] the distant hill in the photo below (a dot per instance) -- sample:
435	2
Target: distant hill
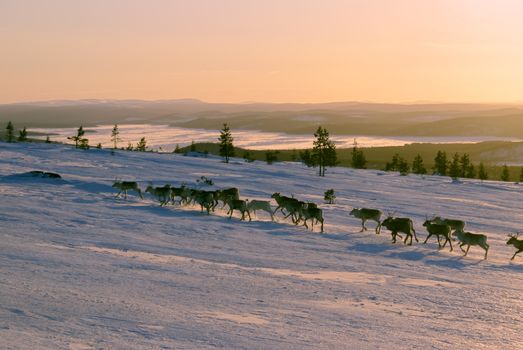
429	119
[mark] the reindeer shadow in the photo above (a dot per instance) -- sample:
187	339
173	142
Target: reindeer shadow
372	248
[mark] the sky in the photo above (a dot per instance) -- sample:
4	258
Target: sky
262	50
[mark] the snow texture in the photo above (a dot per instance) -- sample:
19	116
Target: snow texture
81	269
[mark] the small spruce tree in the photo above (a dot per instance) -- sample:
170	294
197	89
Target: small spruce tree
23	135
9	135
271	156
329	196
83	143
464	164
482	173
505	176
177	149
440	163
47	139
78	137
114	136
307	158
142	145
454	170
403	167
323	151
129	147
247	156
417	165
358	160
470	171
226	146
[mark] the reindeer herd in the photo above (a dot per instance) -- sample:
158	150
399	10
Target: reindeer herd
301	212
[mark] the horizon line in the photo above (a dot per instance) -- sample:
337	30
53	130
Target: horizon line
197	100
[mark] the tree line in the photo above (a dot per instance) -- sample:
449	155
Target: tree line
321	155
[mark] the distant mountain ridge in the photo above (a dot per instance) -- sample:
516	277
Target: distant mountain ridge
364	118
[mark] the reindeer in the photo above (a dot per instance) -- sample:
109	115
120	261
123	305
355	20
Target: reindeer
183	192
205	199
455	225
125	186
163	194
238	204
438	230
367	214
403	225
259	205
227	195
518	244
291	205
307	212
468	239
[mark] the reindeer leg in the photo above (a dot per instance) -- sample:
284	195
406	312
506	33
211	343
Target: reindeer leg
394	237
468	247
426	239
513	256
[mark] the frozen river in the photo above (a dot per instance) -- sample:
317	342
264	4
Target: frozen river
165	137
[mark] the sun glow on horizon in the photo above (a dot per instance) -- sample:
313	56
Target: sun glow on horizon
271	51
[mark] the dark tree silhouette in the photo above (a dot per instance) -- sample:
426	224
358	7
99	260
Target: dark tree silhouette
323	151
226	146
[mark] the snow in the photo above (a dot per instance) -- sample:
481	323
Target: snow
165	137
80	269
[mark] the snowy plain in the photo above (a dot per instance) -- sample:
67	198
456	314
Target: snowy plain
81	269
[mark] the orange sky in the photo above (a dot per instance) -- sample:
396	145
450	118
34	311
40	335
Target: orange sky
262	50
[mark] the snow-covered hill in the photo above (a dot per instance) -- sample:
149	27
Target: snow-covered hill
80	269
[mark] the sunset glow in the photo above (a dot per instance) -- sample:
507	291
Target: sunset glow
274	51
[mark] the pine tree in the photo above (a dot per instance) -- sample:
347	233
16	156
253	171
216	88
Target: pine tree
306	158
226	146
454	170
78	137
464	164
247	156
323	150
482	173
99	145
393	164
505	176
470	172
23	135
329	196
142	145
358	160
114	136
440	163
83	144
10	132
177	149
417	165
271	156
47	139
403	167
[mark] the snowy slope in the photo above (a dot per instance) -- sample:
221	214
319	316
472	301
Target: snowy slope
80	269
